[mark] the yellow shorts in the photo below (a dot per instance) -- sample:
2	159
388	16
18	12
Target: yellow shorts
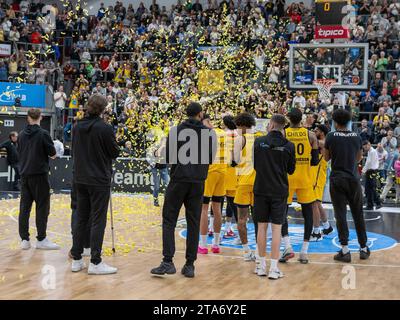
215	184
304	196
244	195
230	193
231	179
319	193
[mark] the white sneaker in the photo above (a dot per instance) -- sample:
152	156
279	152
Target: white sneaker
249	256
275	274
101	268
257	266
86	252
46	244
262	269
25	245
237	241
77	265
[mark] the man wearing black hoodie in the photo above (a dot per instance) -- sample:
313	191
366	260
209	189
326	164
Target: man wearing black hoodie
93	148
35	146
12	156
190	148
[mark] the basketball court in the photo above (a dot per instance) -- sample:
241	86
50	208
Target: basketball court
38	274
331	63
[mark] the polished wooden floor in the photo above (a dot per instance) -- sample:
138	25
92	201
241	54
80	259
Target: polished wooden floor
29	274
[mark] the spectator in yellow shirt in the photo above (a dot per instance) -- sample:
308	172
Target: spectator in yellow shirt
380	118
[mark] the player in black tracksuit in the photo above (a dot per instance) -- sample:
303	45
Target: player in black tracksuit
186	186
35	146
93	148
344	149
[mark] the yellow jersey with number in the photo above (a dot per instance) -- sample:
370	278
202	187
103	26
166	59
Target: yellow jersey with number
302	176
245	170
219	163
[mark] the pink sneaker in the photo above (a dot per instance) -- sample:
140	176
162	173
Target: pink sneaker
202	250
229	235
215	249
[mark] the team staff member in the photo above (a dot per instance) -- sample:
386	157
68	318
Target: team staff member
301	181
93	148
319	177
344	149
12	156
214	190
35	147
188	173
370	170
274	159
244	197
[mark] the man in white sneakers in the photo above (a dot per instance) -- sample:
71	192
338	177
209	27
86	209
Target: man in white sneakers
35	147
93	148
274	159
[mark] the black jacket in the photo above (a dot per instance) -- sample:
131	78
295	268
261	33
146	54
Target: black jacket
93	149
204	147
35	146
274	159
12	154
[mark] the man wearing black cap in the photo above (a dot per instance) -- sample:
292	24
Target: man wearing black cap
190	148
344	149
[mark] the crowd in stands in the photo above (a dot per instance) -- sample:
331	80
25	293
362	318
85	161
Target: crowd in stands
146	61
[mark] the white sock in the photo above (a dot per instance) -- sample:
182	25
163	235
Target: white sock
216	239
228	226
261	260
274	264
211	225
326	224
245	247
286	240
345	249
304	248
316	230
203	241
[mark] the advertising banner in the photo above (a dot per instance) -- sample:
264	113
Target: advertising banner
27	95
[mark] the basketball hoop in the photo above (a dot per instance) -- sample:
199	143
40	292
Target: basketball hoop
324	87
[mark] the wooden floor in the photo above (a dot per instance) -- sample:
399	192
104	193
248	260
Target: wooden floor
26	274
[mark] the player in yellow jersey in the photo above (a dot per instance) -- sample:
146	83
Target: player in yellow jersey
301	182
214	191
319	214
244	197
230	176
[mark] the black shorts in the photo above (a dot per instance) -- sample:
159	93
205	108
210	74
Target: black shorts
269	210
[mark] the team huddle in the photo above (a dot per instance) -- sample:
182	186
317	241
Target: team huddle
232	176
259	174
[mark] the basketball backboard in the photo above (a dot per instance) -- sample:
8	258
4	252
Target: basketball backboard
347	63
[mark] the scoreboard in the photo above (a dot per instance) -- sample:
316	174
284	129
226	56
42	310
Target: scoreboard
330	12
329	18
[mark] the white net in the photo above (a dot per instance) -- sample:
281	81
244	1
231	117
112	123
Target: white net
324	87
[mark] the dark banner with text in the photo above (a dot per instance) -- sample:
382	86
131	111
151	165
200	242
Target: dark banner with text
129	175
